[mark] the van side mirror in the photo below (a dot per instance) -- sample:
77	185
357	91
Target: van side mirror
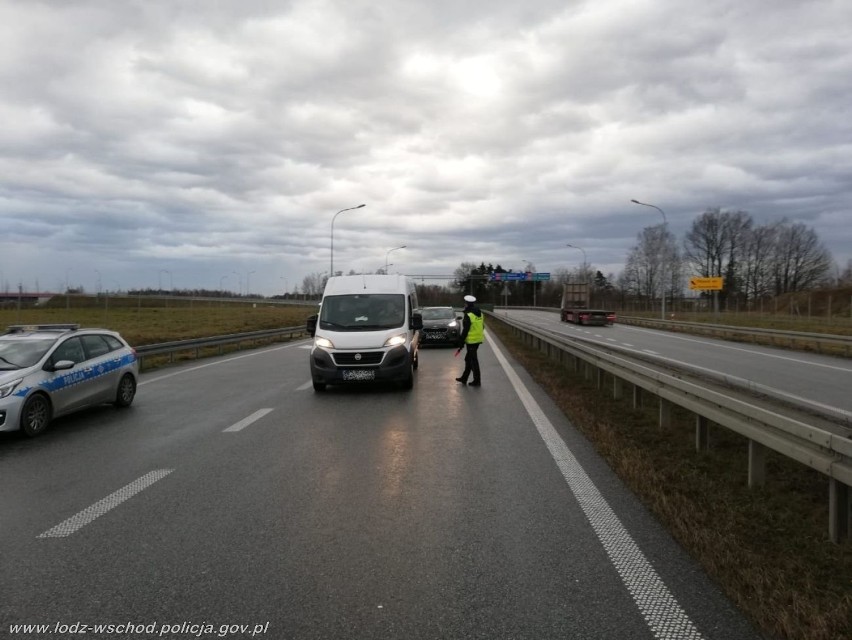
311	325
416	321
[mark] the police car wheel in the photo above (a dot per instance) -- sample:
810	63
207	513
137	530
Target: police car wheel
126	391
319	386
35	415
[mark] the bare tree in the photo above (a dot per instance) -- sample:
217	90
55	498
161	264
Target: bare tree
758	257
313	284
800	260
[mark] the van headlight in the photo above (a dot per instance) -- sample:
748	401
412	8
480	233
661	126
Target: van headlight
9	387
395	341
325	343
453	324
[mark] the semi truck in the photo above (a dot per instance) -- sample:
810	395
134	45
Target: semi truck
575	306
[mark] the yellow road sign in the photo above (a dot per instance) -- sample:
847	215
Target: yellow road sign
706	284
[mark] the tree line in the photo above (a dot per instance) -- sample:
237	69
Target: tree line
754	261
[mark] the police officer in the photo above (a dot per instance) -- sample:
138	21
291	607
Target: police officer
473	333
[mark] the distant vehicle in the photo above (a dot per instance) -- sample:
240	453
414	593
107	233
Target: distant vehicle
575	306
367	330
50	370
441	325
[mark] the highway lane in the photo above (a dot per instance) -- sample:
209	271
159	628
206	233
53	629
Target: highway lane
825	380
231	493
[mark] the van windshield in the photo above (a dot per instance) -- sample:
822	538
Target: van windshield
362	312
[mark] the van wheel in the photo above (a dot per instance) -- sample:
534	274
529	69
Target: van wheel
416	359
408	383
319	386
35	415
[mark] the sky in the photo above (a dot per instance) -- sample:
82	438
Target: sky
210	144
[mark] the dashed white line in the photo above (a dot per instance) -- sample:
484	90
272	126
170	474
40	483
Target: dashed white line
75	522
242	424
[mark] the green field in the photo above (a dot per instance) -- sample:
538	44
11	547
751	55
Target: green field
145	321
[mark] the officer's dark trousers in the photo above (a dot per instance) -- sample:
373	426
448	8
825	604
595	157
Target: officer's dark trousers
471	363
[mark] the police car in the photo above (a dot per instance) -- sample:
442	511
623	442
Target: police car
50	370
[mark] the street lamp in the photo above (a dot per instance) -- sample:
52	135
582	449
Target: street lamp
159	285
388	254
331	269
240	292
248	279
663	268
584	256
222	283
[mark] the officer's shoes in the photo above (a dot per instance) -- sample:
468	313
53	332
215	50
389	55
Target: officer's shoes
462	380
476	383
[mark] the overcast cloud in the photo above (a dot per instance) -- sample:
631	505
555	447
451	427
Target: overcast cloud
178	142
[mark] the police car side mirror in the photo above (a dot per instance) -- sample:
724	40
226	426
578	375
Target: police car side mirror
62	365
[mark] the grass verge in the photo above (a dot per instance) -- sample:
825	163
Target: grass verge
768	548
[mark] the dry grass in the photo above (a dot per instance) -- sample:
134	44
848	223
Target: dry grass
150	321
768	548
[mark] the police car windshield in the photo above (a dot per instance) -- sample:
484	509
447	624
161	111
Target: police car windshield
362	312
19	353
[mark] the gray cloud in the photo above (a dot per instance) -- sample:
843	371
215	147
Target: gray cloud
207	138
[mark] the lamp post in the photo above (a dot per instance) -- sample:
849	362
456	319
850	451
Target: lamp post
240	292
388	255
159	285
663	268
67	285
584	256
248	277
331	269
222	283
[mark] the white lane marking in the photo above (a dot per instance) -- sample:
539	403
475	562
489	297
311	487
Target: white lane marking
672	336
310	345
305	386
653	353
75	522
213	364
664	616
242	424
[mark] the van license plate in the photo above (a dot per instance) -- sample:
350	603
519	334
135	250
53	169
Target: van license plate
359	374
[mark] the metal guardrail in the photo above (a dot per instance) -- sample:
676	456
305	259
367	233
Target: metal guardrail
197	344
766	336
820	442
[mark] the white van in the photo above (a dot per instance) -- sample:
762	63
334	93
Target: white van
367	329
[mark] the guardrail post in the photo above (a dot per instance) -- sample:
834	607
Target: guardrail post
637	396
702	433
839	511
617	388
665	414
756	464
600	378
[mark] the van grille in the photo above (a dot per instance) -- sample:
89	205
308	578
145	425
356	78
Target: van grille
357	358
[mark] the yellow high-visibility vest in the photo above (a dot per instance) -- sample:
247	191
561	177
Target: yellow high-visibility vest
476	334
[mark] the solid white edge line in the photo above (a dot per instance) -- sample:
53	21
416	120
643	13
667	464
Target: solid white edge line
242	424
84	517
661	611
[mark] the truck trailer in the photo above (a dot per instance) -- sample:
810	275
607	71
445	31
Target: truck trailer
575	306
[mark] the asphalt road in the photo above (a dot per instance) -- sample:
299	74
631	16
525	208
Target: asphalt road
233	494
821	379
